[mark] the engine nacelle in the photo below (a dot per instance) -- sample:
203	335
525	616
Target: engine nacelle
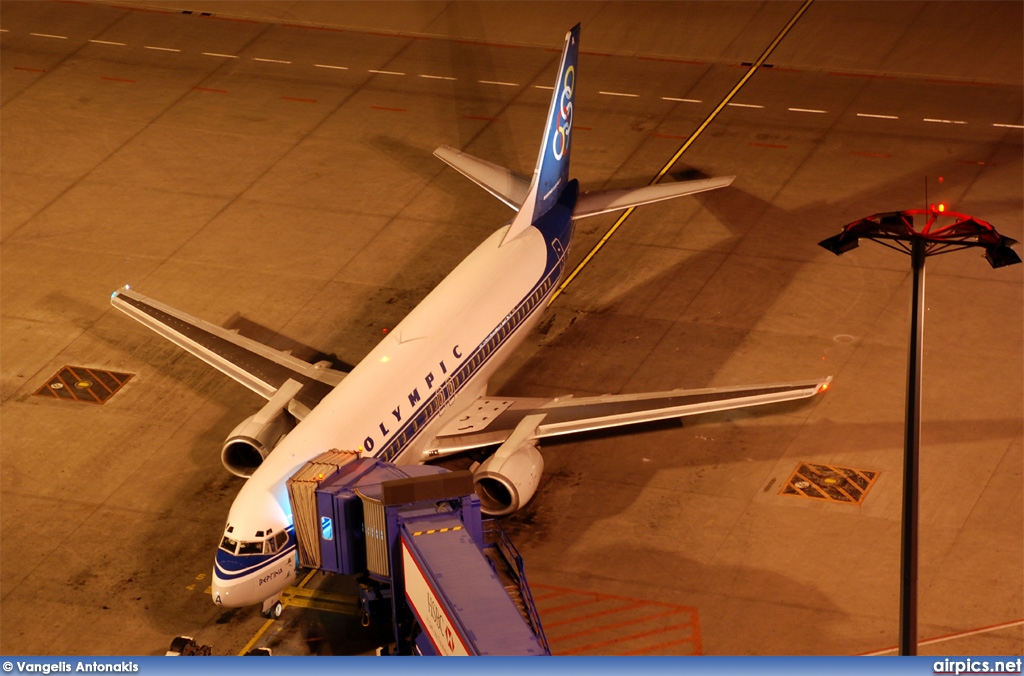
507	482
252	441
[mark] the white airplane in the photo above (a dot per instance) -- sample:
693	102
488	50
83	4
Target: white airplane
421	394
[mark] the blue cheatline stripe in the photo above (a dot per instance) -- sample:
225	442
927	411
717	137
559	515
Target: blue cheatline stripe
480	356
232	567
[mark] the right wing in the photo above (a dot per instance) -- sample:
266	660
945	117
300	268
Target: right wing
492	420
262	369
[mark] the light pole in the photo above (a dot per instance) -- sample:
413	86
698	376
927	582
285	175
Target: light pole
943	231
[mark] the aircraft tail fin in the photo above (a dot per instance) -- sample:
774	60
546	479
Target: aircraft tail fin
551	174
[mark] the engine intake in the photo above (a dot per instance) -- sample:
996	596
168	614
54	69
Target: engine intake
252	441
507	482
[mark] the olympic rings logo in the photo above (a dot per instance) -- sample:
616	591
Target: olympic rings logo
560	138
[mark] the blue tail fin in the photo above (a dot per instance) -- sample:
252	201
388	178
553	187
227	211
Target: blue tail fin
552	172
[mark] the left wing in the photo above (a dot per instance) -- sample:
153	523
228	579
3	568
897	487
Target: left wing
262	369
492	420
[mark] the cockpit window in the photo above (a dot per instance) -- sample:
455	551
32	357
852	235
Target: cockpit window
269	545
250	548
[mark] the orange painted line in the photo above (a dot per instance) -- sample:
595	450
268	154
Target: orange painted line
98	381
979	163
614	625
581	128
295	98
393	110
569	606
581	618
117	79
623	639
603	596
31	70
545	597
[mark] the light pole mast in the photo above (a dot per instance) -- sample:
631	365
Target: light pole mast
942	232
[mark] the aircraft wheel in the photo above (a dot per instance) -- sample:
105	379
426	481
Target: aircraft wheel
274	612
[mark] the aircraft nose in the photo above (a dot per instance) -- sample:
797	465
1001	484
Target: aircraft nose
228	592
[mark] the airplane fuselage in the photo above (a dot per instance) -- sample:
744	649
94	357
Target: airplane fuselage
430	366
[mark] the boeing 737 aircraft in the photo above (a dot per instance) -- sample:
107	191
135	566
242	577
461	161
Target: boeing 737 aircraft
421	394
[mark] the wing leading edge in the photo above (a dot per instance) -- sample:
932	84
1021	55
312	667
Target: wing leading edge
492	420
260	368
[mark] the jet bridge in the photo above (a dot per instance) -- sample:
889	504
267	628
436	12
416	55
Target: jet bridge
414	534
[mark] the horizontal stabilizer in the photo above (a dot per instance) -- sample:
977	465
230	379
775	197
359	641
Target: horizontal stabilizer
506	185
594	203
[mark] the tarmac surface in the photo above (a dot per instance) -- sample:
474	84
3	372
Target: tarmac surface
268	166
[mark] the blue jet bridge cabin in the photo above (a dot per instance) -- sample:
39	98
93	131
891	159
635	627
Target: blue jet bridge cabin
415	536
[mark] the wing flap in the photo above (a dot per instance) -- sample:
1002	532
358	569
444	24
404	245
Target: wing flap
601	202
260	368
491	421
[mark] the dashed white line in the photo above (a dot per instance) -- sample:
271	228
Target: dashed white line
545	87
745	105
673	98
878	117
436	77
631	96
1008	126
324	65
807	110
256	58
161	49
48	35
109	42
933	119
500	84
385	72
223	56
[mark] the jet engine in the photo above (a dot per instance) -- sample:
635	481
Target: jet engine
252	441
506	481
